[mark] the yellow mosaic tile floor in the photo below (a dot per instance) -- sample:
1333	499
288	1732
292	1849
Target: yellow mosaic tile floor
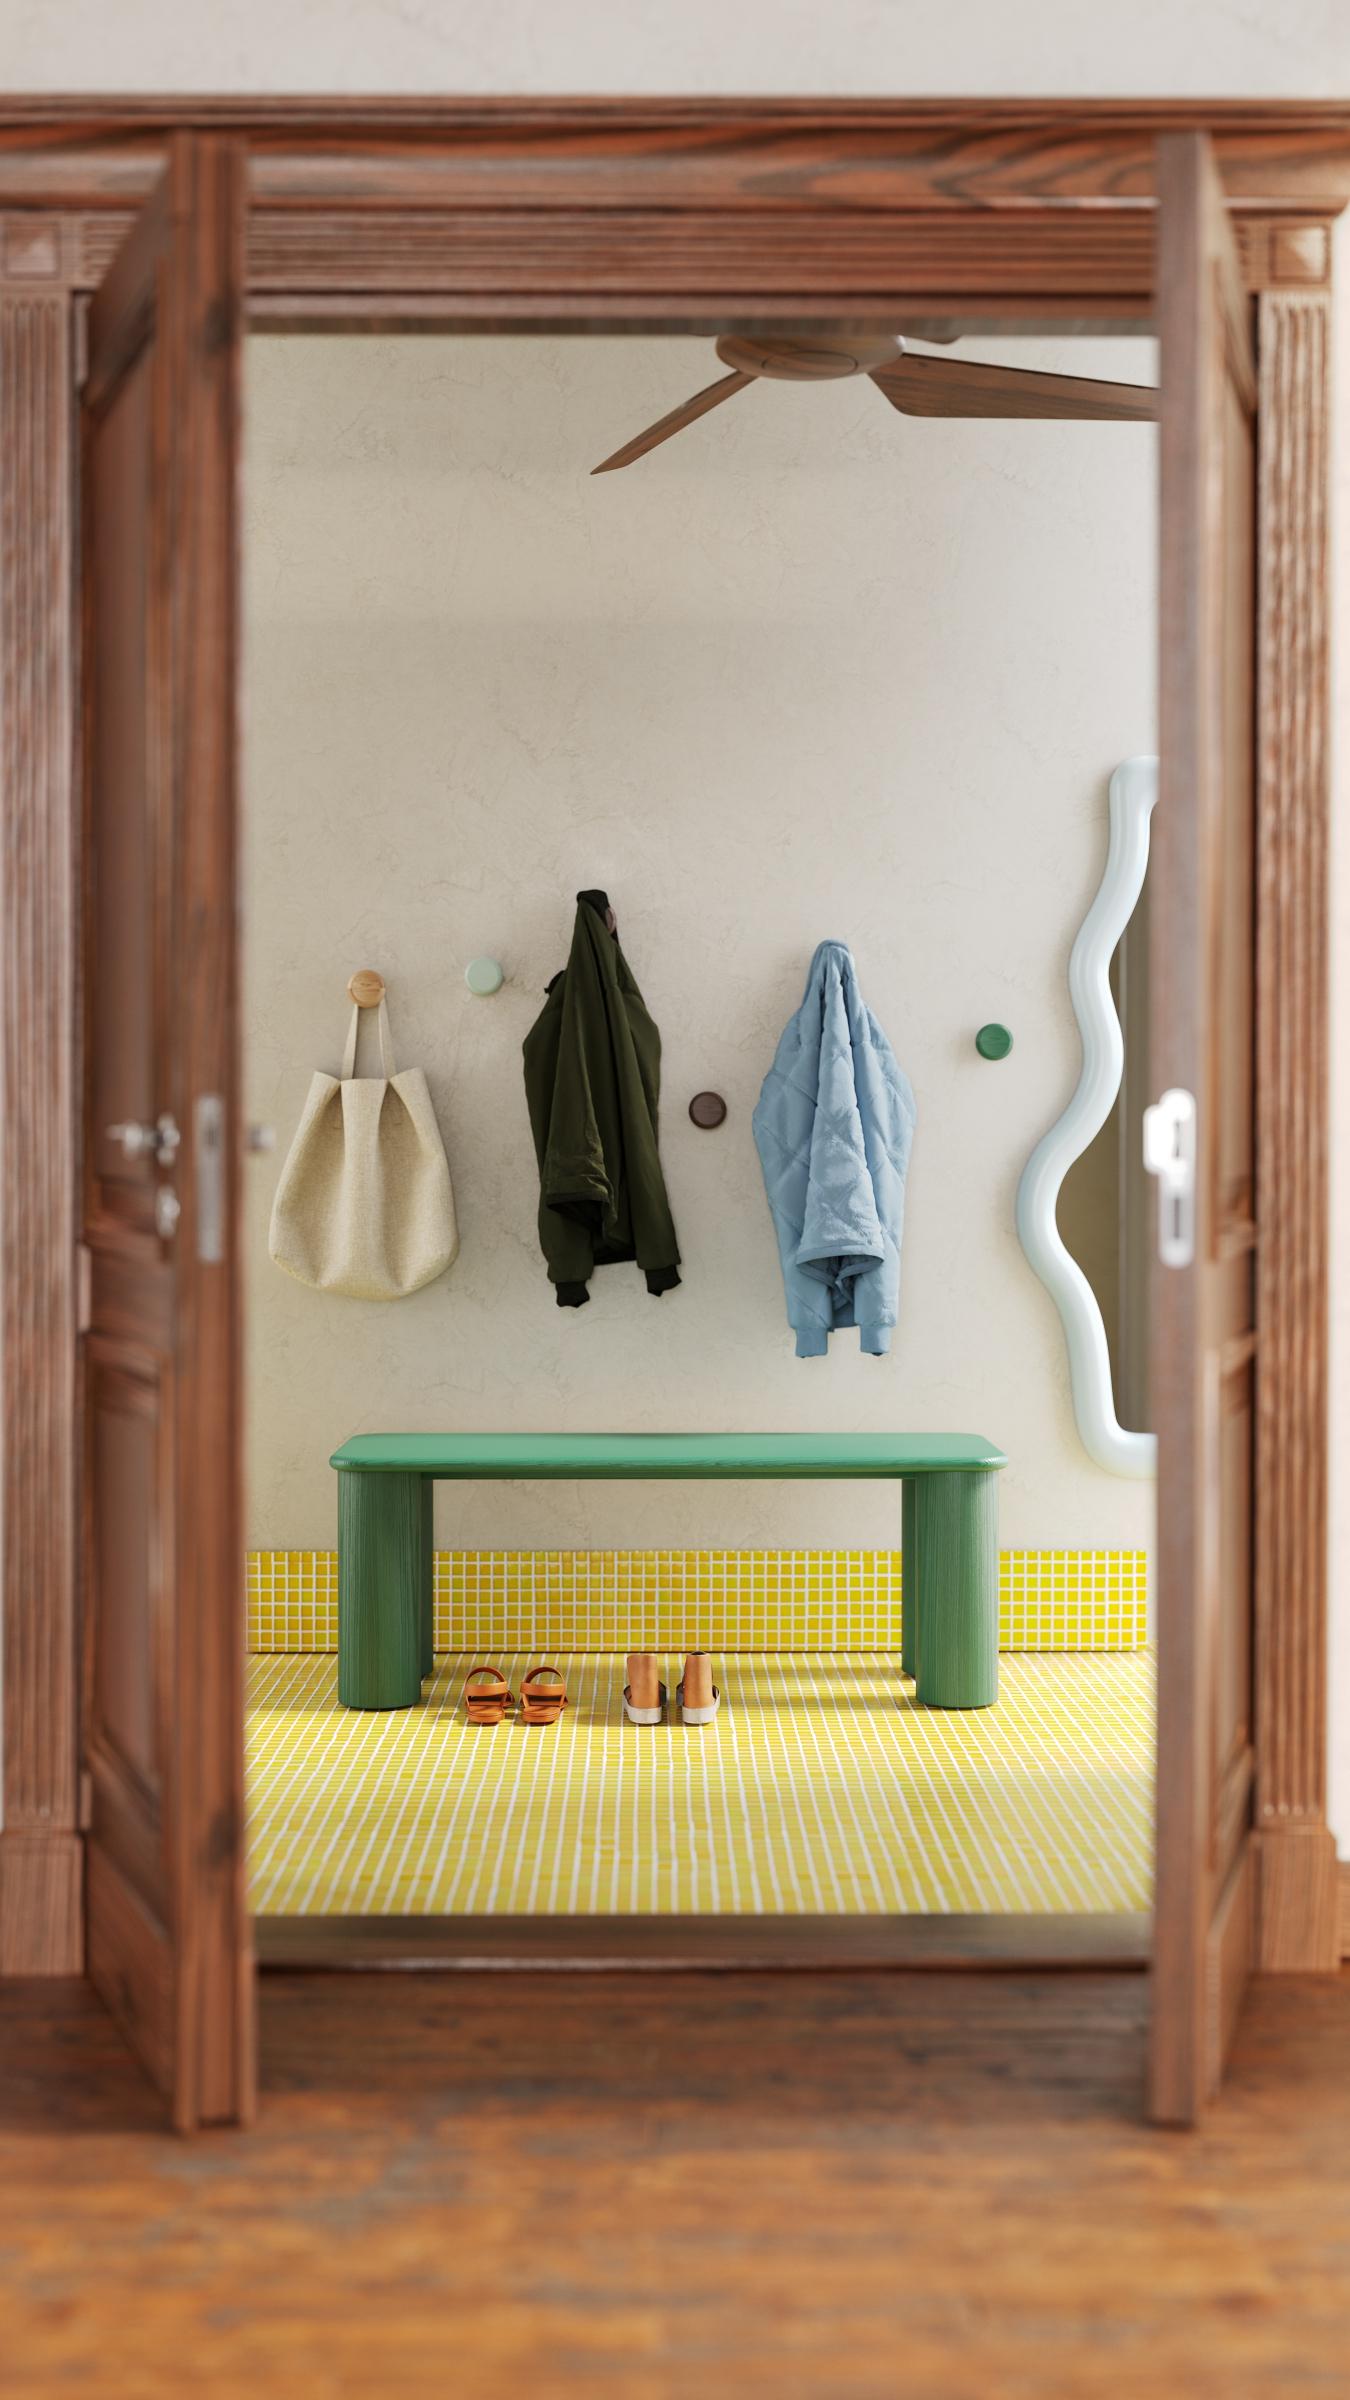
820	1787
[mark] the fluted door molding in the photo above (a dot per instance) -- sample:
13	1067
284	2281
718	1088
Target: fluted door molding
1296	1919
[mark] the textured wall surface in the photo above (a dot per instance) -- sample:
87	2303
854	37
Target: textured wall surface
810	670
1300	47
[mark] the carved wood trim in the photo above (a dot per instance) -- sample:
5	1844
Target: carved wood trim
1298	254
689	268
844	259
41	1903
671	152
1296	1903
40	1908
1082	268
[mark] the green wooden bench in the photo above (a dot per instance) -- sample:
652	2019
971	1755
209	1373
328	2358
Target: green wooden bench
949	1534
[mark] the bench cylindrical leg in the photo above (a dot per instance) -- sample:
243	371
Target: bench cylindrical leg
427	1572
909	1578
381	1545
956	1545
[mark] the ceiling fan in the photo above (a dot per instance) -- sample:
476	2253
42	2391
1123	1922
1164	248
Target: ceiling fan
916	383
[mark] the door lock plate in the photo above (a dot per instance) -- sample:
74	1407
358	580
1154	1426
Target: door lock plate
1169	1154
209	1131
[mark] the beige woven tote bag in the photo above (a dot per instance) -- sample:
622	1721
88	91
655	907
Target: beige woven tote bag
364	1207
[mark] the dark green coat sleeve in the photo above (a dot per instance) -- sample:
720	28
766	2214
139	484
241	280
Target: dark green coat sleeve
569	1252
653	1227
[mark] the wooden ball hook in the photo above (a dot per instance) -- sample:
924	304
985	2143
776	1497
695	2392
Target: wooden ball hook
366	988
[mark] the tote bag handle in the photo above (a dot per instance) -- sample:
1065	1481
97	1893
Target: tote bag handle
386	1045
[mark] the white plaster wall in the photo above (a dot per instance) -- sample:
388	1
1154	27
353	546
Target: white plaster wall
1296	47
811	670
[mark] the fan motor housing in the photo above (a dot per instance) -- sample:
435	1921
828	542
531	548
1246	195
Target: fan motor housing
789	360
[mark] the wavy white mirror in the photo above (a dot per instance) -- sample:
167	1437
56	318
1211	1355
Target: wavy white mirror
1133	794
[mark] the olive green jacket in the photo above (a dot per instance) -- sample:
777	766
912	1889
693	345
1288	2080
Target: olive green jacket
592	1082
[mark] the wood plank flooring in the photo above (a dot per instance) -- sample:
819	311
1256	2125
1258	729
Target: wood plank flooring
483	2185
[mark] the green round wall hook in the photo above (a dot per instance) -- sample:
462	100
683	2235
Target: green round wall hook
993	1041
484	977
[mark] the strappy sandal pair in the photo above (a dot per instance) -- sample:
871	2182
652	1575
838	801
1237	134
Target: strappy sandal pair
644	1695
487	1696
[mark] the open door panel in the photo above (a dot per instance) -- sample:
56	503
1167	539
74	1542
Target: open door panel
169	1946
1205	1355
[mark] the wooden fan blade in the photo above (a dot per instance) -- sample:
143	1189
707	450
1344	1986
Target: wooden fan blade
963	387
686	414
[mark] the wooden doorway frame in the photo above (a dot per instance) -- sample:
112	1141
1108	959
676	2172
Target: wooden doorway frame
677	216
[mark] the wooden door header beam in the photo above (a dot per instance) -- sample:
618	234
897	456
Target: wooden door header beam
246	111
674	154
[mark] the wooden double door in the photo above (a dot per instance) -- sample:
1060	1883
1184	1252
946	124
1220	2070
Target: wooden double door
168	1930
168	1938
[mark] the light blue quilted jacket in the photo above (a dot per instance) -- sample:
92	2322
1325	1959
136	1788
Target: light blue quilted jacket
833	1125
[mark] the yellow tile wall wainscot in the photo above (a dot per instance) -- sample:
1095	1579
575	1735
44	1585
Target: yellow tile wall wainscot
489	1601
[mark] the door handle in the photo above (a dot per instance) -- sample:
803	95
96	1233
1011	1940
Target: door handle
1169	1153
159	1141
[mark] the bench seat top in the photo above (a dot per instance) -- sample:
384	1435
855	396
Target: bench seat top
571	1456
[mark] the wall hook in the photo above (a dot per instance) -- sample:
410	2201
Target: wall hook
366	987
484	977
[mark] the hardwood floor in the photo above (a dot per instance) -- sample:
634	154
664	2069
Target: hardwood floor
490	2185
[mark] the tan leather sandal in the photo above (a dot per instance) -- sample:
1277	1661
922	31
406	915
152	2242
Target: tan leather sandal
644	1694
698	1695
543	1696
487	1696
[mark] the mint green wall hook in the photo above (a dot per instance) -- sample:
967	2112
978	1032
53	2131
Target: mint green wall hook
993	1041
484	976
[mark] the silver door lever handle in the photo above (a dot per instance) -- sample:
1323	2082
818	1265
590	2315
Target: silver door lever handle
158	1141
